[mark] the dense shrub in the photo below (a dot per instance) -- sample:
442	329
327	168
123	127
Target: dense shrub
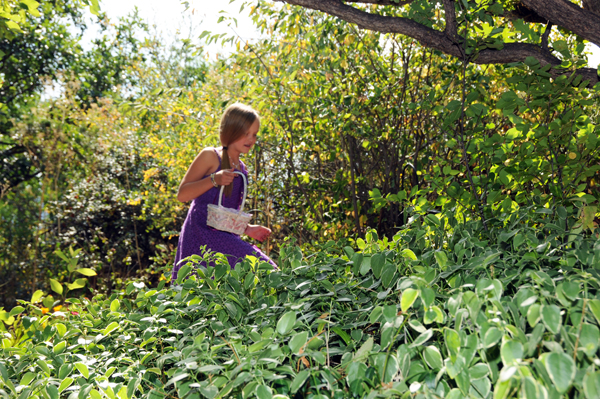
442	310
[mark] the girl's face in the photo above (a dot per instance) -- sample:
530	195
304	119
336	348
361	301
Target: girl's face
246	142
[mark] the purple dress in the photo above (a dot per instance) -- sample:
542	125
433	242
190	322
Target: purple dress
195	233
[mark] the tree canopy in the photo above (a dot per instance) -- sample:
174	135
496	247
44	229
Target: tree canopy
483	31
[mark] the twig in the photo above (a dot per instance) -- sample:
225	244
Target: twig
233	349
579	330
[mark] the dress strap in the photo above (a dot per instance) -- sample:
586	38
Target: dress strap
218	156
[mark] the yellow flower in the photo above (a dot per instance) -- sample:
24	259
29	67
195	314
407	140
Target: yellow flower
45	310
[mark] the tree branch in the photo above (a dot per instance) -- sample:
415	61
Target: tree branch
441	41
592	5
451	28
381	2
544	43
569	16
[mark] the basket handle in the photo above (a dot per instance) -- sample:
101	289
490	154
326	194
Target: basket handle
245	191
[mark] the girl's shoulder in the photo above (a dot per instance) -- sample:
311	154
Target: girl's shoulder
209	156
210	152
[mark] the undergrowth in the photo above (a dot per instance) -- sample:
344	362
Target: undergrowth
443	309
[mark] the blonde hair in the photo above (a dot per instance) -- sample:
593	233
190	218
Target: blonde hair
235	122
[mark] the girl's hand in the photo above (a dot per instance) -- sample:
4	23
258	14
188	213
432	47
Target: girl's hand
224	177
259	233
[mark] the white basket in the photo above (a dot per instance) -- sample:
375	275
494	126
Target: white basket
229	219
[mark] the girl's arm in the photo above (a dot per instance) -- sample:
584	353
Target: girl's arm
194	184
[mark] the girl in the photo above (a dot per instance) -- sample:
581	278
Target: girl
213	168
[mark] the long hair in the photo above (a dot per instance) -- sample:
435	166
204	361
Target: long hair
235	122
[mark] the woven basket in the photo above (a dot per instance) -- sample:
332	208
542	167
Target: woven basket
228	219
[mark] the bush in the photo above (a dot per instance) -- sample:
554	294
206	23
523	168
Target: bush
442	310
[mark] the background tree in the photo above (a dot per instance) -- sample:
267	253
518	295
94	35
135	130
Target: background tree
62	164
45	51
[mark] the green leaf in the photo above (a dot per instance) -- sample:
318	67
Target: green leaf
594	305
86	272
377	262
454	368
264	392
355	372
427	296
342	334
433	357
452	340
422	338
364	350
551	317
94	7
518	240
114	305
176	378
571	290
409	296
299	380
286	322
210	369
441	258
27	378
110	328
434	314
52	391
531	388
389	313
183	272
298	341
16	310
511	352
533	314
65	383
132	386
56	286
561	369
387	276
589	337
83	369
59	348
79	283
221	270
591	385
35	298
64	370
365	266
433	219
455	393
407	253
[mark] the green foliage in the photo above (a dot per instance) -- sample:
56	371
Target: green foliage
496	320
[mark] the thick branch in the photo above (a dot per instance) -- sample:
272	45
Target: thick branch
450	10
381	2
431	38
524	13
592	5
569	16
